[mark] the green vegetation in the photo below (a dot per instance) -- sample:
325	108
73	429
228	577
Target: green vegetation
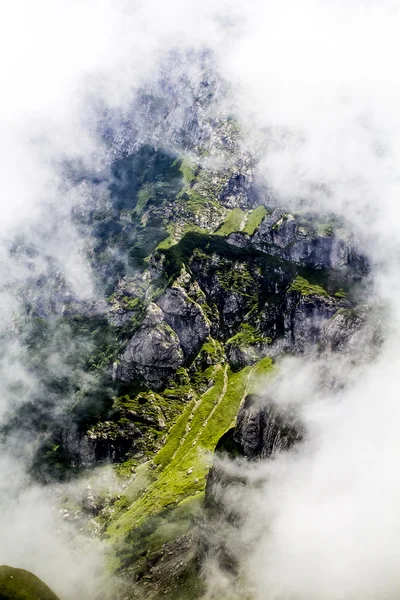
175	437
212	348
177	474
188	171
232	223
305	288
340	294
259	374
325	230
254	219
237	280
166	243
165	526
18	584
247	336
209	354
144	195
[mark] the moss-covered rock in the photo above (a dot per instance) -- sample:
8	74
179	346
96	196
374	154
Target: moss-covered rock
18	584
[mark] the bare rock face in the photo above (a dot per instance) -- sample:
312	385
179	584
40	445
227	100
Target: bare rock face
153	353
186	318
305	317
286	236
353	332
283	234
242	356
262	430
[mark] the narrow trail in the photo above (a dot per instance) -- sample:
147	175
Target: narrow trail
190	419
221	396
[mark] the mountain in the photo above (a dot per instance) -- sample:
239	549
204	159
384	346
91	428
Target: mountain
204	285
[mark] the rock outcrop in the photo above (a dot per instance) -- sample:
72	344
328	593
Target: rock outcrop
185	316
262	430
153	353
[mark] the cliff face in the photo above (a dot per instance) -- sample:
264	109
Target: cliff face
203	284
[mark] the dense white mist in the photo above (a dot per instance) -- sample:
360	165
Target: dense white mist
315	84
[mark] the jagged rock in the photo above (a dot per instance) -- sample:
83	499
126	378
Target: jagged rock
281	234
239	191
80	448
353	331
153	352
263	430
241	356
284	235
186	318
304	319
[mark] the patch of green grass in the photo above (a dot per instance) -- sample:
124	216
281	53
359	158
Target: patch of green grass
195	203
254	219
173	484
259	374
305	288
247	336
227	410
188	171
166	243
182	465
208	401
340	294
129	303
175	436
144	195
232	223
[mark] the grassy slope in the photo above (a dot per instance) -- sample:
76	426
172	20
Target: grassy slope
305	288
254	219
176	476
233	222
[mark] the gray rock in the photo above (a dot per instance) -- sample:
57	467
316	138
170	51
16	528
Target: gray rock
304	319
80	448
186	318
245	355
353	331
153	353
282	234
263	430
